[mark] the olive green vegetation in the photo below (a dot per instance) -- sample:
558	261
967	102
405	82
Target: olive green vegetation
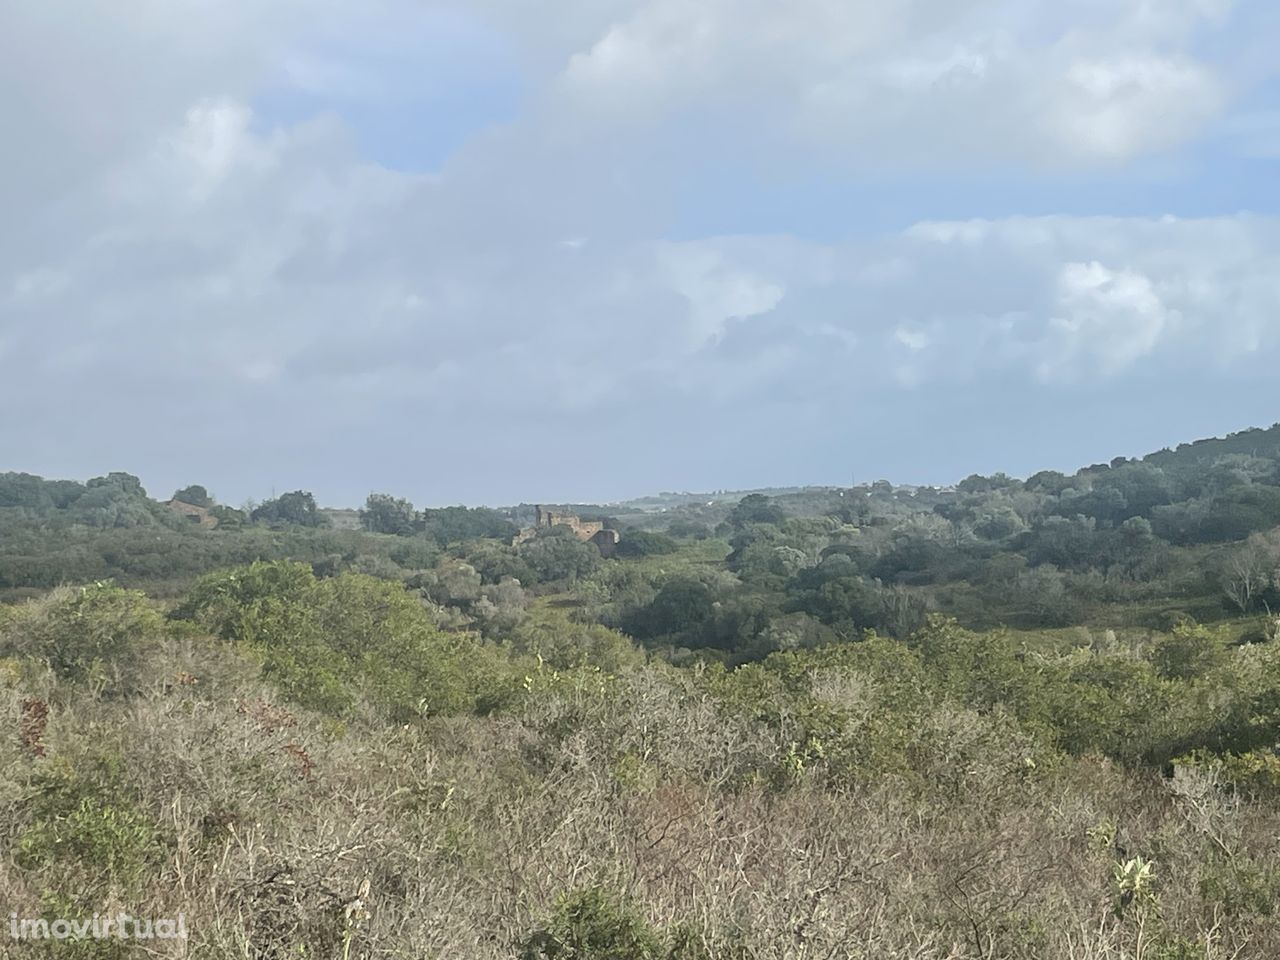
1020	719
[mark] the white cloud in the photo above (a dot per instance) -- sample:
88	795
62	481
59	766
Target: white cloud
920	81
716	290
206	267
1118	107
1114	316
913	340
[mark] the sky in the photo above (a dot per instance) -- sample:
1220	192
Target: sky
583	250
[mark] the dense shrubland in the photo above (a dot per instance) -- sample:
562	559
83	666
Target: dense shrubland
1143	543
954	795
1022	719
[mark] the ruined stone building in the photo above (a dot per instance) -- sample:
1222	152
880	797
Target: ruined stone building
588	531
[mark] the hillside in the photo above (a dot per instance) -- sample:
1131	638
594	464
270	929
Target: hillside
1014	719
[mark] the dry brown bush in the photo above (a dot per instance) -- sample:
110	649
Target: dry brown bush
452	838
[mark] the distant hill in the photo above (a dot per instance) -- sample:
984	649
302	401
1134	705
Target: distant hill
1255	442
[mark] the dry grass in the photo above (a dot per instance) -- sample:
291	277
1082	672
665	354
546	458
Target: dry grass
284	835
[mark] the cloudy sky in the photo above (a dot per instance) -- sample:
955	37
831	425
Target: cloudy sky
496	251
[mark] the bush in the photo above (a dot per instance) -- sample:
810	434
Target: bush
558	554
85	831
1188	652
642	543
91	634
325	643
594	925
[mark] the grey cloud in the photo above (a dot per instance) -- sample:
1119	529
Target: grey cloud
199	295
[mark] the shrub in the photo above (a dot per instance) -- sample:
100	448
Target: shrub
643	543
593	924
327	642
86	834
1190	651
93	633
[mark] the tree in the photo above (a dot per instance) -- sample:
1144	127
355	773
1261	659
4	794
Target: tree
1048	481
452	583
643	543
1000	523
37	494
976	483
228	517
682	604
903	610
1252	569
297	507
384	513
195	495
450	524
116	500
501	607
755	508
557	554
1063	542
125	482
1190	651
688	529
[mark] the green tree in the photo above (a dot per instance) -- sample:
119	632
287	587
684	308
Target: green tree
643	543
116	500
326	643
97	633
297	507
195	495
558	554
682	604
1190	651
384	513
755	508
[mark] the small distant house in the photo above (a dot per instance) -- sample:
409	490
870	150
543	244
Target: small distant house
196	516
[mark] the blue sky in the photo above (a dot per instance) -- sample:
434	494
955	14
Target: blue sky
424	247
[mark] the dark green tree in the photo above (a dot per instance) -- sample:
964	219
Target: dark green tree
297	507
384	513
755	508
195	495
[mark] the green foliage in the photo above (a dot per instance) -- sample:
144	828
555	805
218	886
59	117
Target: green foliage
448	525
36	495
326	642
297	507
1255	772
195	495
229	518
451	582
89	634
755	508
116	500
550	636
682	605
108	837
1190	651
384	513
593	924
83	828
643	543
557	554
688	529
1241	887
